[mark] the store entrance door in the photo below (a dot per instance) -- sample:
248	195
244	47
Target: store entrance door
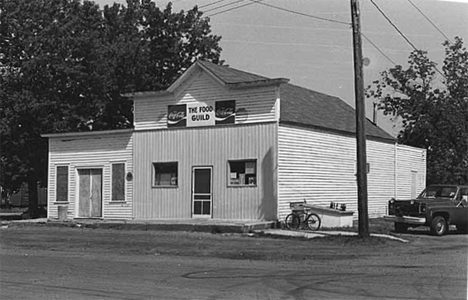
201	192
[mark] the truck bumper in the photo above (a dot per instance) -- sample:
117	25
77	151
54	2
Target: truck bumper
405	219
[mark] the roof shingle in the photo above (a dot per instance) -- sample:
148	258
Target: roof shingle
302	106
230	75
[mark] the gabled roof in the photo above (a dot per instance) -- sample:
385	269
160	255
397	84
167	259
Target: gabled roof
306	107
232	76
298	106
227	76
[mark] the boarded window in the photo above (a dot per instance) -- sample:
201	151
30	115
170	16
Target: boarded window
62	183
243	172
118	182
165	174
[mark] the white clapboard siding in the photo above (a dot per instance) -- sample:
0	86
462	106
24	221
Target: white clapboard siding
207	146
381	176
410	160
320	167
91	151
253	105
150	111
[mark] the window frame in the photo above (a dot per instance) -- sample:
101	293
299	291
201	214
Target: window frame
153	177
229	179
57	184
123	181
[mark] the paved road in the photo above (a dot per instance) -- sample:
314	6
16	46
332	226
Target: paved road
426	268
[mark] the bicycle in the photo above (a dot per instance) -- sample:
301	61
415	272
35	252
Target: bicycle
302	216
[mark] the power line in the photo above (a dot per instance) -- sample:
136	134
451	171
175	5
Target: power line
401	33
299	13
305	15
435	26
212	3
232	8
394	26
378	49
224	5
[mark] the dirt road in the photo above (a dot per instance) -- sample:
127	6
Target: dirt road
73	263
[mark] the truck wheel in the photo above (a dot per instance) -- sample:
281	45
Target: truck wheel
438	226
401	227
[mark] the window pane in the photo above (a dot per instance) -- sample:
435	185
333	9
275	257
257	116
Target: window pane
62	183
243	172
202	183
118	181
165	174
197	207
206	207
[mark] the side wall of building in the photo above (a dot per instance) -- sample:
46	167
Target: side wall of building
91	152
410	177
207	147
320	167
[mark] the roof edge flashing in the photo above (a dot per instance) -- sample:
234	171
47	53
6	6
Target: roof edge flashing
86	133
368	136
256	83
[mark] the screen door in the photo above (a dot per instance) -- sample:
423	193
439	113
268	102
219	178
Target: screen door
201	192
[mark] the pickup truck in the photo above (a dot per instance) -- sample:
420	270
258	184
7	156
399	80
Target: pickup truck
437	207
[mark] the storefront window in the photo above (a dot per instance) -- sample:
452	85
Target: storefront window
243	173
165	174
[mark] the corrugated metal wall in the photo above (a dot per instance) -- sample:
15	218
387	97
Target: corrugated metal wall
207	146
253	105
91	152
321	166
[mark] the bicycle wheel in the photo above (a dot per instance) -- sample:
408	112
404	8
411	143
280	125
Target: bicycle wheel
313	222
292	221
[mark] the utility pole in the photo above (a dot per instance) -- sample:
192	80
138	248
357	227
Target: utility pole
363	215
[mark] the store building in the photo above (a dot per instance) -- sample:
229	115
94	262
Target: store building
225	144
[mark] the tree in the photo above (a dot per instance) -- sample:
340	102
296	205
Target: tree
433	107
65	64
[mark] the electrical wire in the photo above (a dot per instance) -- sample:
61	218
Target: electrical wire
232	8
212	3
429	20
394	26
299	13
224	5
378	49
401	33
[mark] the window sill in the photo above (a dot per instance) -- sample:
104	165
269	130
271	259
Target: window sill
117	202
60	202
242	186
165	186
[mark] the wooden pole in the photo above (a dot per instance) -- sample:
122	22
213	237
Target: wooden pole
363	215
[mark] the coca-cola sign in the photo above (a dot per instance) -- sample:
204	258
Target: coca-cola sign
225	112
177	115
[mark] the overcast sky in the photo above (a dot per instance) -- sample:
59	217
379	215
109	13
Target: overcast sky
304	43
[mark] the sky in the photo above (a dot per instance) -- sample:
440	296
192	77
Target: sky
306	42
